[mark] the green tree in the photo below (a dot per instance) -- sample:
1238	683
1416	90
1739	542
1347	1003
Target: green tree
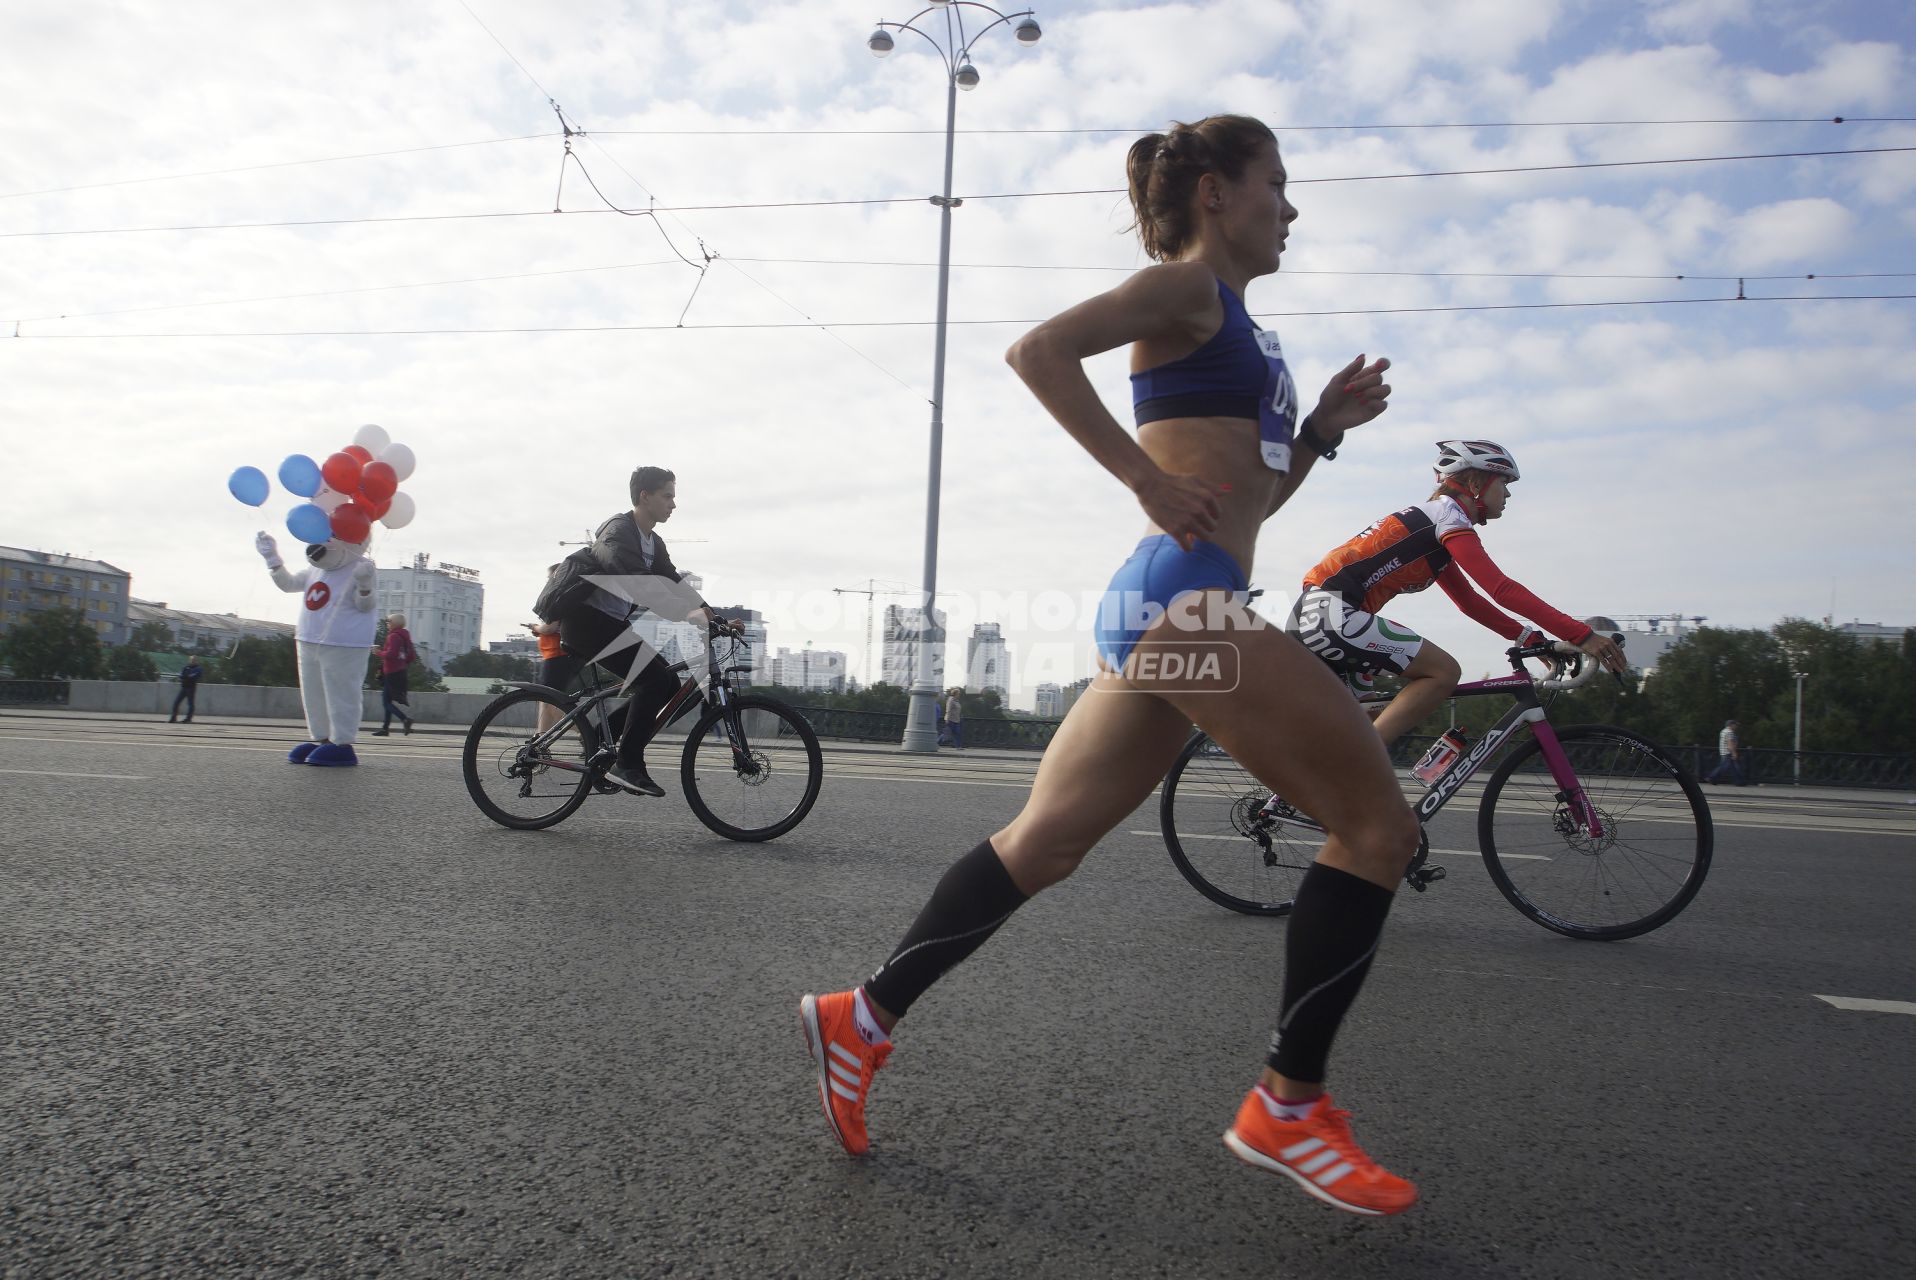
124	662
257	660
152	637
503	666
55	644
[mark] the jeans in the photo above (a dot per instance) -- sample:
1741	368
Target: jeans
186	695
392	697
1730	764
586	633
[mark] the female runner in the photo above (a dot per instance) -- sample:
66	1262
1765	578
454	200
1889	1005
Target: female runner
1218	451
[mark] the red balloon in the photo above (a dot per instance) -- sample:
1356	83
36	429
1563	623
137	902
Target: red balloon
351	523
342	472
378	481
360	452
378	509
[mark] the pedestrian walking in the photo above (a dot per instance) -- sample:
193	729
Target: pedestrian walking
1729	757
955	716
189	689
394	657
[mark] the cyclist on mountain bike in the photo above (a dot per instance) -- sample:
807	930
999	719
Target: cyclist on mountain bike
594	593
1431	541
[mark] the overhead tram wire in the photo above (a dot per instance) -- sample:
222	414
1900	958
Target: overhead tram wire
908	324
733	262
277	164
754	280
1002	195
609	133
340	293
569	131
1134	131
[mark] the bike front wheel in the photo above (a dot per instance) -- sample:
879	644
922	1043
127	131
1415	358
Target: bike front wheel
752	769
1226	837
519	777
1644	868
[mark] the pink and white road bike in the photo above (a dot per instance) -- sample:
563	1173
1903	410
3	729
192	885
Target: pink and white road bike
1590	830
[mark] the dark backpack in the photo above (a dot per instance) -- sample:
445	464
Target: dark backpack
567	588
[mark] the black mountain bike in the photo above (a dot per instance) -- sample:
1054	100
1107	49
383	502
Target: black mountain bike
1590	830
751	767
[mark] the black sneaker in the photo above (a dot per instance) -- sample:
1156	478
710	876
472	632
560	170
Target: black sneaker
409	725
378	733
634	779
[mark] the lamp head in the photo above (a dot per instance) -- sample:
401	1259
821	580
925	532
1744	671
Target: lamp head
879	42
1028	31
966	75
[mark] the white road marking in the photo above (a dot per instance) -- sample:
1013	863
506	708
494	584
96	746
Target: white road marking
1870	1006
54	773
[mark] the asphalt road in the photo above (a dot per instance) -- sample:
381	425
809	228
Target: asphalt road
267	1020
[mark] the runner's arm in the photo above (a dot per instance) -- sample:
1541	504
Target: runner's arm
1174	299
1468	554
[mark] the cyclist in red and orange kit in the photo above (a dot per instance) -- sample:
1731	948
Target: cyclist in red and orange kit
1432	541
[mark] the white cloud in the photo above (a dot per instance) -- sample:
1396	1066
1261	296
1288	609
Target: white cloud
1695	18
1787	232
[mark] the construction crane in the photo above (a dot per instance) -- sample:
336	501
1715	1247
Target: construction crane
874	588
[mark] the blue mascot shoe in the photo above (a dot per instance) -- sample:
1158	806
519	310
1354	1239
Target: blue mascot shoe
298	754
333	754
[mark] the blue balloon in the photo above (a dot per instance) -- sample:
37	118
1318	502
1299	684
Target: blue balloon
248	484
300	475
308	523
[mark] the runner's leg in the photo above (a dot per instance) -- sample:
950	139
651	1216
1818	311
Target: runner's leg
1106	758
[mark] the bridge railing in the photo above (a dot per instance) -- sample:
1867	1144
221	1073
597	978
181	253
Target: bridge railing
28	693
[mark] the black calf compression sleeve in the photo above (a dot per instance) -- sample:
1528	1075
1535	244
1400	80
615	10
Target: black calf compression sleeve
975	896
1335	927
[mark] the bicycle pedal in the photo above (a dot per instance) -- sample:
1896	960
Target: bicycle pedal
1422	878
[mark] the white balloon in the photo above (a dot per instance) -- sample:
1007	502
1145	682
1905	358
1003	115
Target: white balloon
400	514
372	438
399	458
328	499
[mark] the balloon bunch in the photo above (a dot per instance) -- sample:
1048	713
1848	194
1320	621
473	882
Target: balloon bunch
345	493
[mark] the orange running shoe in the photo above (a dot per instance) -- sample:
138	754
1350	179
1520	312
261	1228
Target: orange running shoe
845	1063
1319	1154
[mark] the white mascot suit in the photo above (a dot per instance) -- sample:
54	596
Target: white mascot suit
335	633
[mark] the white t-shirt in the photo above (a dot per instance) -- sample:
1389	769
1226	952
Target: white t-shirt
327	614
1726	741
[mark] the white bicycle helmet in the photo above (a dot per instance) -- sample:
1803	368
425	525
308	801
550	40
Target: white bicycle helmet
1456	456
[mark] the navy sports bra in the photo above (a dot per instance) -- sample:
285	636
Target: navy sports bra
1239	373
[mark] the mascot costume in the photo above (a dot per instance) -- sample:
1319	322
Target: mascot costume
335	633
345	494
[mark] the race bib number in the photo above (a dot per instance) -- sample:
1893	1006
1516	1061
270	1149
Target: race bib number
1277	409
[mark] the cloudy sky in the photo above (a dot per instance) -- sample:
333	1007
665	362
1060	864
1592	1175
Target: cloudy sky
1743	461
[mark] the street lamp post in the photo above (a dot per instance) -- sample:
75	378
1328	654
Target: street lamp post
1796	756
921	724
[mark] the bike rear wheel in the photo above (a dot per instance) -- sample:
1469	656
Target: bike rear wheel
518	778
1645	868
1223	837
752	770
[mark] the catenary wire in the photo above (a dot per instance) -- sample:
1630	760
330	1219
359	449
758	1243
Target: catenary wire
733	262
1288	128
913	324
887	200
707	254
1140	130
277	164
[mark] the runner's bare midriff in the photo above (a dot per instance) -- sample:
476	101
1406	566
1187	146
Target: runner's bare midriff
1223	451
